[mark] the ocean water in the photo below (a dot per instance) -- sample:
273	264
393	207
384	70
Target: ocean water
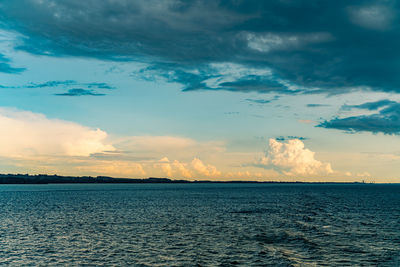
200	225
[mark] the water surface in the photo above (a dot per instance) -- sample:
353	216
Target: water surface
200	225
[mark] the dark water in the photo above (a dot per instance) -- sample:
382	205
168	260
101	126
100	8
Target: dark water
200	224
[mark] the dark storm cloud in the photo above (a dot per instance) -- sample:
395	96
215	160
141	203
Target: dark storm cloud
6	67
322	46
386	121
80	92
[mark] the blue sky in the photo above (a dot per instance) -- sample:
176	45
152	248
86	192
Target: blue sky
227	90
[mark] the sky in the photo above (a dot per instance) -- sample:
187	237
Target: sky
277	90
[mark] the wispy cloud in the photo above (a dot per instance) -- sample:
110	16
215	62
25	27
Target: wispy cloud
50	84
262	101
317	105
5	66
290	137
99	85
85	90
370	105
80	92
68	83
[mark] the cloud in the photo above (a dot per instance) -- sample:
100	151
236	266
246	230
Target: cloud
370	105
51	84
253	83
99	85
173	169
319	47
205	170
218	76
80	92
70	85
259	101
40	143
293	159
26	134
5	66
317	105
194	169
269	42
290	137
33	142
375	17
386	121
262	101
197	169
113	168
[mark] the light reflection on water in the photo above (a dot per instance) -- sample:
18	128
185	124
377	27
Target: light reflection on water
200	224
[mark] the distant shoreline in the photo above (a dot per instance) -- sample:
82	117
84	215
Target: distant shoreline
57	179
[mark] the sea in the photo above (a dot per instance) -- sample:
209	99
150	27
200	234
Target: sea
234	224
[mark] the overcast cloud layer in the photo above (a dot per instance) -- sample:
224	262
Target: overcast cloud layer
317	46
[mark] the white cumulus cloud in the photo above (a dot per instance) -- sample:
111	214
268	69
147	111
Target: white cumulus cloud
194	169
293	159
203	169
26	134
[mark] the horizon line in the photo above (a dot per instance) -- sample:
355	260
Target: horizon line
47	178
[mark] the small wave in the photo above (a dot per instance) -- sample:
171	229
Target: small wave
285	237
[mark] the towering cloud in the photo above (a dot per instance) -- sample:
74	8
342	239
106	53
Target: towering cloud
293	159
